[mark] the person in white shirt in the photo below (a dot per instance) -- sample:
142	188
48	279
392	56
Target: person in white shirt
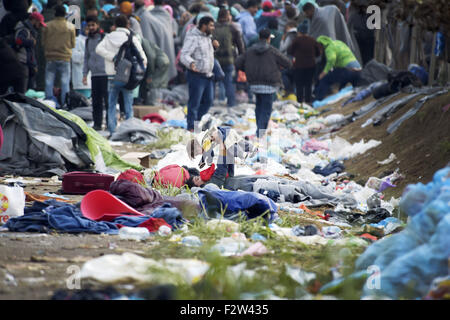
108	48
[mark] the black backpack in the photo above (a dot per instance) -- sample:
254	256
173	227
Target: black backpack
129	55
75	100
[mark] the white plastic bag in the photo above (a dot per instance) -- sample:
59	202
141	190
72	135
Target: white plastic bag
12	202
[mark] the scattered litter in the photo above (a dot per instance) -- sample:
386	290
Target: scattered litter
164	231
258	237
128	266
138	234
192	241
256	249
299	275
391	158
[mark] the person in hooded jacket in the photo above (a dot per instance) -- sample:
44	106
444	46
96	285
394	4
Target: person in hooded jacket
341	67
261	64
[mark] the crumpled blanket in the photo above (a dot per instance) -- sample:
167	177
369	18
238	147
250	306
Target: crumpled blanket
136	131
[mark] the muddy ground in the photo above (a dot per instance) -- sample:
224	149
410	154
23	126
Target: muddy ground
34	266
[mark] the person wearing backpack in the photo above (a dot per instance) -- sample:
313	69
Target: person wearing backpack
95	64
230	39
109	48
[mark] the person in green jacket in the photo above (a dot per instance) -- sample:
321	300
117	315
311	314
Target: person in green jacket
342	67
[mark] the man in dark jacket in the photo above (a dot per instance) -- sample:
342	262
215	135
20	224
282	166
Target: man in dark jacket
230	39
26	33
95	64
11	66
261	63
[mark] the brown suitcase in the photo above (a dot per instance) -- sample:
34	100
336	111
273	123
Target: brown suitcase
78	182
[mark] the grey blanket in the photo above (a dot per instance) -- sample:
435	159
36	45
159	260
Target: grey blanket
329	21
136	131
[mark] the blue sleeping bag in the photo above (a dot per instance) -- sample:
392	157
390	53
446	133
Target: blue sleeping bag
216	202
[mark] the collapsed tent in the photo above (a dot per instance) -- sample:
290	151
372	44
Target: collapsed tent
39	141
42	141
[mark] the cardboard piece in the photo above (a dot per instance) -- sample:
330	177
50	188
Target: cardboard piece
141	111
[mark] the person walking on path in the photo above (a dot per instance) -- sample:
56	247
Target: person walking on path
197	55
262	63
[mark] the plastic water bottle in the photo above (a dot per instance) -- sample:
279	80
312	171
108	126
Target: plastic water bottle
192	241
164	231
128	233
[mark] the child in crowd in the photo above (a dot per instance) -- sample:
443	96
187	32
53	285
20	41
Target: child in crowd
231	145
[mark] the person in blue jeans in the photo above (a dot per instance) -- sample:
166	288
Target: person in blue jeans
197	55
51	70
230	39
108	49
228	85
58	39
262	64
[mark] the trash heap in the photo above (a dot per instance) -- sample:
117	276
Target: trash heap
298	174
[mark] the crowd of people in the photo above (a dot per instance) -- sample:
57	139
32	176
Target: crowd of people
227	49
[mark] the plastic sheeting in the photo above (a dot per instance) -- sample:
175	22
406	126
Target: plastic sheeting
100	149
397	123
345	92
411	259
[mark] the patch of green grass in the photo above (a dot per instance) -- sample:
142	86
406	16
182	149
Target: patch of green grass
270	276
166	138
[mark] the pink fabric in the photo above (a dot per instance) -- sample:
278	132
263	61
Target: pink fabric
314	145
172	174
169	8
256	249
132	175
276	13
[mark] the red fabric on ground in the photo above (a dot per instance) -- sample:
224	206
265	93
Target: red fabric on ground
154	117
172	174
132	175
153	224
